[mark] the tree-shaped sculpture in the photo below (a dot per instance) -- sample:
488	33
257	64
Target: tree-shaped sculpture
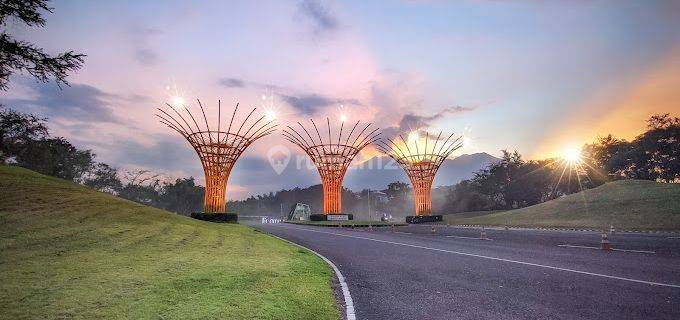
218	150
333	156
421	162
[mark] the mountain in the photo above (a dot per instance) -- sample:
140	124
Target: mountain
379	171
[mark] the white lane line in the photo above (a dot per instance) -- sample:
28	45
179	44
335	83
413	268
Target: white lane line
471	238
403	232
598	248
349	303
673	237
497	259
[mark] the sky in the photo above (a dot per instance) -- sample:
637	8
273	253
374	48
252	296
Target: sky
539	77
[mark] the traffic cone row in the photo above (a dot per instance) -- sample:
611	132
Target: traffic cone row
604	245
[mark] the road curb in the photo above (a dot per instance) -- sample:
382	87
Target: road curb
349	303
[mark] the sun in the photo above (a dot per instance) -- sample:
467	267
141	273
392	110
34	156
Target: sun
572	155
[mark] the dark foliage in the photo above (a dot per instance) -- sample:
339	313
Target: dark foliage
215	217
22	56
653	155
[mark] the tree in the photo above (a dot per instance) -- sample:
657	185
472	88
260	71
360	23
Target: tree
141	186
22	56
55	157
183	196
653	155
103	177
17	129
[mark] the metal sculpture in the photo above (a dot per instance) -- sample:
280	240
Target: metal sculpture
421	163
331	157
218	150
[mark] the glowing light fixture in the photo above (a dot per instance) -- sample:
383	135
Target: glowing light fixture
270	115
177	101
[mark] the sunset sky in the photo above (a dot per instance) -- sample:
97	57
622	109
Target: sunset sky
535	76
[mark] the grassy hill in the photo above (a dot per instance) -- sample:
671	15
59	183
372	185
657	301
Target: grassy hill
70	252
627	204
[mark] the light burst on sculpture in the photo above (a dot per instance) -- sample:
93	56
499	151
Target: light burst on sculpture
333	156
217	149
420	160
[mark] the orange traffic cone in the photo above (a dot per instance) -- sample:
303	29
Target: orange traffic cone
392	228
604	245
370	227
483	234
432	230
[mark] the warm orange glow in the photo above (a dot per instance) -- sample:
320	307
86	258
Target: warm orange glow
217	149
572	155
421	158
331	156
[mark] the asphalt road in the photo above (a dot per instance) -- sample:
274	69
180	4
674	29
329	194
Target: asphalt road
518	274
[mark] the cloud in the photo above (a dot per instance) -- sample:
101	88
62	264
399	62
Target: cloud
232	83
410	121
141	39
76	102
146	56
309	104
321	19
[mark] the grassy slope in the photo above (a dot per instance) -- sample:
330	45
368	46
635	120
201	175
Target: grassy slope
629	204
67	251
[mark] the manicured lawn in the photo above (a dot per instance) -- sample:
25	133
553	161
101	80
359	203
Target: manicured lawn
629	204
69	252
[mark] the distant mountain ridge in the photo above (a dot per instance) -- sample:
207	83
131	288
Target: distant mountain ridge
379	171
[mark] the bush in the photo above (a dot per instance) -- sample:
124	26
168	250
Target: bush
423	219
215	217
323	217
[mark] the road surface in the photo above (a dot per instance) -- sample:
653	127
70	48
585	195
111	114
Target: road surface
517	274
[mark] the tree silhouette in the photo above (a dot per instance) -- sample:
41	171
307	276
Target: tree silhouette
22	56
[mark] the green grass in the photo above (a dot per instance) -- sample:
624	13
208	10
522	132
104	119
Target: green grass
627	204
356	223
70	252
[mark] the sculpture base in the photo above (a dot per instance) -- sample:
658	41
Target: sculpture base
223	217
331	217
424	219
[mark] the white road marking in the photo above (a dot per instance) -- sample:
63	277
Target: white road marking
349	303
673	237
598	248
472	238
496	259
403	232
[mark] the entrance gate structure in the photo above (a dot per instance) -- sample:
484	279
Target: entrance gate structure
332	156
217	149
421	161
